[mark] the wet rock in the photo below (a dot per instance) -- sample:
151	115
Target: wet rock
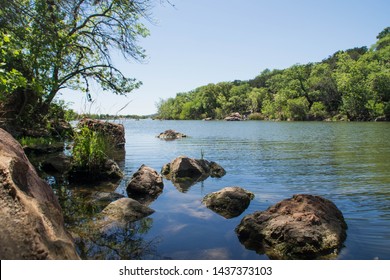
234	117
105	197
56	163
109	171
302	227
120	213
145	185
43	149
185	171
171	135
31	220
113	131
229	202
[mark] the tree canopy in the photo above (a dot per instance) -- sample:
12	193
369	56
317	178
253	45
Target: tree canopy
352	84
49	45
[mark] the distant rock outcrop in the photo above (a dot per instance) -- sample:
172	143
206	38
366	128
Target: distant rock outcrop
185	171
229	202
170	135
302	227
234	117
145	185
31	220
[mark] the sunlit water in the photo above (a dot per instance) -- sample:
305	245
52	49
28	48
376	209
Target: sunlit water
348	163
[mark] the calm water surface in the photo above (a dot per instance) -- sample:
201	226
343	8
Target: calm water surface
348	163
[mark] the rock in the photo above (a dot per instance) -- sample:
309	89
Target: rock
145	185
381	119
43	149
104	197
109	171
234	117
31	220
115	132
120	213
56	163
170	135
185	172
302	227
216	171
208	119
229	202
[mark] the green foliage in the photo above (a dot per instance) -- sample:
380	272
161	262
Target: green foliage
90	150
10	78
46	46
355	83
35	141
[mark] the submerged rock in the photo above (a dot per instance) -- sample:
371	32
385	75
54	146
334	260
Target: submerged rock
145	185
302	227
229	202
120	213
31	220
185	171
171	135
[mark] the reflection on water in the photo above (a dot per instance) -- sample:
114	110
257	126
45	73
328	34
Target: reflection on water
347	163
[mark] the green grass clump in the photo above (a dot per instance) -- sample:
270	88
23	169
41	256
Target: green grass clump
90	150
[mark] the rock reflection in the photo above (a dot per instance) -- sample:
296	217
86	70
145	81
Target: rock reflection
81	208
121	242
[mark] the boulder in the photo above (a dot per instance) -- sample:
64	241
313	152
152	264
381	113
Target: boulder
229	202
185	172
56	163
31	220
113	131
145	185
234	117
120	213
302	227
170	135
109	171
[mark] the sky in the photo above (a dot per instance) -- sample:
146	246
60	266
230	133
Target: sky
198	42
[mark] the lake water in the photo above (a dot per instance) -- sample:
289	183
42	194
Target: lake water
348	163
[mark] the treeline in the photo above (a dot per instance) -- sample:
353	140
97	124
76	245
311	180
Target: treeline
71	115
352	84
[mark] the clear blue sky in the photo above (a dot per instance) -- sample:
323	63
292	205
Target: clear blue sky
210	41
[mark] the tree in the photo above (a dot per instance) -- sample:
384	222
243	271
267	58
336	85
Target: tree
70	43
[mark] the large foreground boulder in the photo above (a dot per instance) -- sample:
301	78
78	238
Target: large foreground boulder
145	185
185	171
229	202
31	220
302	227
113	131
